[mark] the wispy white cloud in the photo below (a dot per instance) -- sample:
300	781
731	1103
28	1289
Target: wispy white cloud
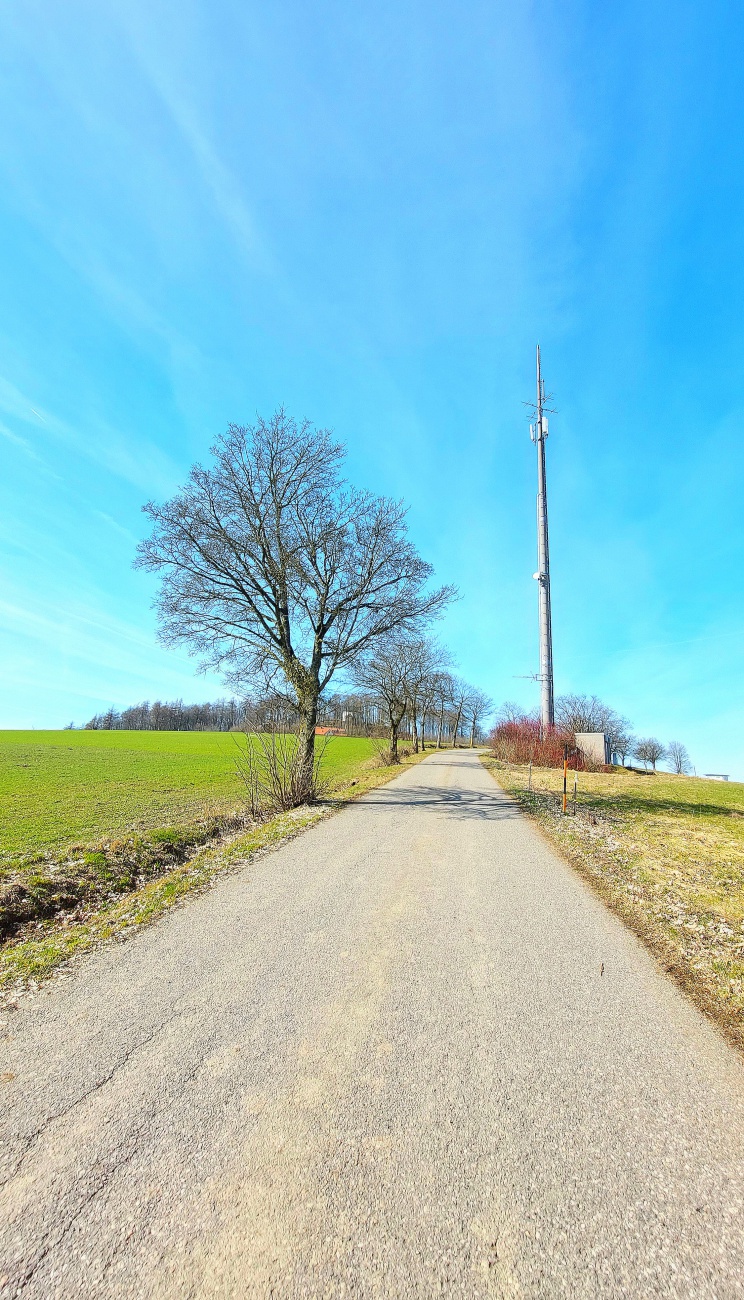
117	527
90	651
69	659
18	441
29	450
169	84
138	462
145	194
50	623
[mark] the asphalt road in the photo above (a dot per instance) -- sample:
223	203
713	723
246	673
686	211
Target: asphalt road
408	1054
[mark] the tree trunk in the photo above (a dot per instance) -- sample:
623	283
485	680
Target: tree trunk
414	730
456	727
472	735
395	721
441	725
306	742
423	733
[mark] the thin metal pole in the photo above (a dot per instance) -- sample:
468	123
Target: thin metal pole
547	709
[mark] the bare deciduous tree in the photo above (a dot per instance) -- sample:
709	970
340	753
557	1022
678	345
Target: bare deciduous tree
511	712
623	744
460	696
444	694
384	673
678	757
270	563
434	688
587	713
425	659
650	750
479	705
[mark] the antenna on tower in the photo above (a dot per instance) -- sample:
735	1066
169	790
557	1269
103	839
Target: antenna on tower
538	433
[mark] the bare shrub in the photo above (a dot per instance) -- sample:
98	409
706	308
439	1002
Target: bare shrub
272	766
522	740
381	756
386	756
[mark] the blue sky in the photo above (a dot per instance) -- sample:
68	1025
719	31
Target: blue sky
371	214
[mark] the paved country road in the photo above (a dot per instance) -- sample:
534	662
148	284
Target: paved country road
382	1061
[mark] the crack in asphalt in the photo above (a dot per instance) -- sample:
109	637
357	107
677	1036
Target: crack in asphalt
169	1018
113	1166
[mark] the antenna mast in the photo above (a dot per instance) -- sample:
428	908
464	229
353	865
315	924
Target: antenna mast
538	433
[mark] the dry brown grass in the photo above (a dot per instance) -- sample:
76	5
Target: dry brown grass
667	853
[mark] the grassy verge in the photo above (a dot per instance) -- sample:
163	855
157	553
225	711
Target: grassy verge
111	888
667	854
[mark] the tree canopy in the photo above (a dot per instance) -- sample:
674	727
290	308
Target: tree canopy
273	567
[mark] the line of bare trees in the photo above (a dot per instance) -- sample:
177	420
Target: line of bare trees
650	751
406	690
410	682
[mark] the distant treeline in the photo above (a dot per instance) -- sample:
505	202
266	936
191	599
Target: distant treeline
353	713
172	715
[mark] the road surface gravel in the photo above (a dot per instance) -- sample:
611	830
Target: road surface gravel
407	1054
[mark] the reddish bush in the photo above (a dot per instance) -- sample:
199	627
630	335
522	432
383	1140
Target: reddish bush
521	741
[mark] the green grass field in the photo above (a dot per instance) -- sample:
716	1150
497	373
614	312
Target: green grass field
66	787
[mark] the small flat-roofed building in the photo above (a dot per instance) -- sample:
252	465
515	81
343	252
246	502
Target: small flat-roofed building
594	745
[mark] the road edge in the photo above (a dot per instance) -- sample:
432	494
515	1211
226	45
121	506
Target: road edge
668	958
